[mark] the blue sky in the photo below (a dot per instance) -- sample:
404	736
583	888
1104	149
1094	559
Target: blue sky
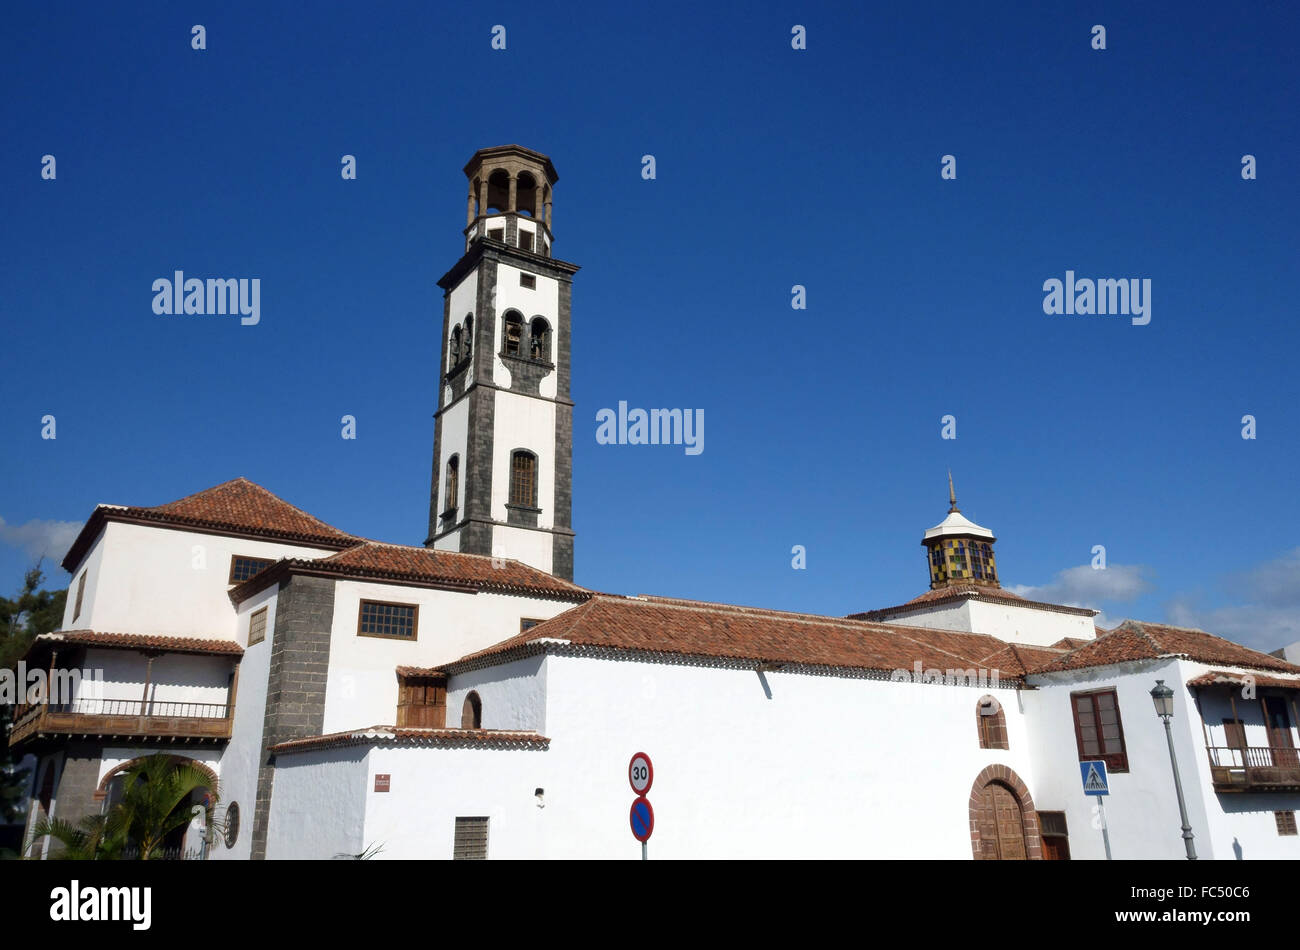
775	167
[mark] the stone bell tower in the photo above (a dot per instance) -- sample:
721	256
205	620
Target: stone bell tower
503	437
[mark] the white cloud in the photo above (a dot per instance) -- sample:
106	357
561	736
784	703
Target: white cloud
1268	619
49	539
1086	586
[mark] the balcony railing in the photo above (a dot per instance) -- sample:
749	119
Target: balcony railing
1247	768
134	718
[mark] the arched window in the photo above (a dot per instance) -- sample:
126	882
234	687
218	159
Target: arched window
523	478
471	716
539	340
455	353
467	341
514	334
453	483
526	195
498	198
992	723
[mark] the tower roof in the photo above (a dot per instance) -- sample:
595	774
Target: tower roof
958	525
503	154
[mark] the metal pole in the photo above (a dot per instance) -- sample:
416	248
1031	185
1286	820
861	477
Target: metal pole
645	848
1105	826
1178	787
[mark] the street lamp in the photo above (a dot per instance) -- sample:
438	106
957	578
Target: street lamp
1163	697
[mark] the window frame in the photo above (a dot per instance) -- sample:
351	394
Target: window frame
451	485
235	558
531	502
992	729
259	612
1286	823
415	620
1115	761
81	595
459	845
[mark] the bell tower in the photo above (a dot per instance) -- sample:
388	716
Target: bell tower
503	433
960	552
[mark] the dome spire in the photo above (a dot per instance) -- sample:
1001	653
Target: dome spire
952	495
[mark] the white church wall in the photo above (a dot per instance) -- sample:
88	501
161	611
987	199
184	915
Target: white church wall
1142	809
362	685
951	616
318	804
742	774
512	695
109	675
92	567
455	435
535	548
242	756
1028	625
524	423
464	300
173	583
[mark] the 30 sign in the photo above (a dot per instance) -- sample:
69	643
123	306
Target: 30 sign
640	773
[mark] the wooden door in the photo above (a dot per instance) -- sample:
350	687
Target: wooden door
1056	848
1001	825
1279	732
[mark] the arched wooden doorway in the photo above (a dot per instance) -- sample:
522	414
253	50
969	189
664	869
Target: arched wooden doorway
1004	825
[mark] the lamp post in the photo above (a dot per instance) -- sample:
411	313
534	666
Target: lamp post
1163	697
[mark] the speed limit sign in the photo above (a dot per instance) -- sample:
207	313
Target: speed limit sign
640	773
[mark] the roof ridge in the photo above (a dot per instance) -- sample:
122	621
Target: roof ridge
261	488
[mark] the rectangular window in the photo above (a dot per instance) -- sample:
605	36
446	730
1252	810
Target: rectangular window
526	240
381	619
1052	824
1098	730
1235	733
242	568
81	593
471	840
523	480
1285	822
257	627
527	623
497	234
528	281
421	701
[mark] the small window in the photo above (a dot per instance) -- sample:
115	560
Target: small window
497	234
471	841
421	701
514	333
1285	822
257	627
381	619
992	724
1052	824
242	568
527	623
526	240
471	714
81	593
1098	730
453	483
528	281
523	479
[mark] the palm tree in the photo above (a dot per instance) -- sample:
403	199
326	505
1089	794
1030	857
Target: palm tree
155	793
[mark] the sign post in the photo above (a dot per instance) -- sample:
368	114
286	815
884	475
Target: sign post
641	775
1097	784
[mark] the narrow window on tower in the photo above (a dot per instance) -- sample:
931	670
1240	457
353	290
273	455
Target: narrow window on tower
514	333
467	342
523	479
539	339
455	355
526	240
528	281
497	234
453	485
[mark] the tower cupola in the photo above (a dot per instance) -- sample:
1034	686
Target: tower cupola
959	552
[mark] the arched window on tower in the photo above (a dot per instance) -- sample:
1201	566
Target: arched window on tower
471	716
498	197
523	478
455	354
453	483
526	194
992	723
539	340
514	334
467	341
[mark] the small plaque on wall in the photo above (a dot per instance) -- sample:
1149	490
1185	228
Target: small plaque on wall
382	782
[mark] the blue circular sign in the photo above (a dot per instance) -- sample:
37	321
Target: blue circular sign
642	819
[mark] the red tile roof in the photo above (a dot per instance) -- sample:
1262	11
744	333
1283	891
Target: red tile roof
943	595
426	671
238	507
1022	659
1224	678
437	738
140	641
420	566
690	629
1133	640
1073	643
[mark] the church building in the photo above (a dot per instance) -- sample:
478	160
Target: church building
466	698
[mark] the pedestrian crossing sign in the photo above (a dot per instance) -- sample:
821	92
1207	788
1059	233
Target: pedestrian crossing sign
1094	778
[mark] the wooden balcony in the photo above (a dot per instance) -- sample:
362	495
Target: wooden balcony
1254	768
122	719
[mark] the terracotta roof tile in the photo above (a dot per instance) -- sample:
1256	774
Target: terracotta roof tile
1073	643
694	629
943	595
1022	659
425	671
1133	640
1224	678
436	738
141	641
237	506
